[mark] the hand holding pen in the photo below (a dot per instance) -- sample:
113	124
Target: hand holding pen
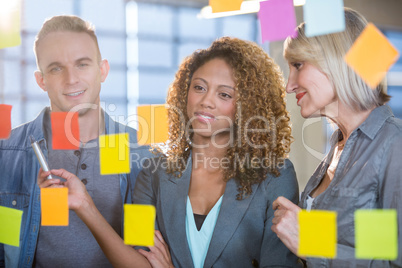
40	156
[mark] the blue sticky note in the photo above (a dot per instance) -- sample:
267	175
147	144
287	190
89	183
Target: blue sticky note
323	17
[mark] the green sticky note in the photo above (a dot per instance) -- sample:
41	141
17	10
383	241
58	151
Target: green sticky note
114	153
10	23
317	233
376	234
10	226
139	222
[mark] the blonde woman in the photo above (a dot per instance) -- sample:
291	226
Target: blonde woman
362	170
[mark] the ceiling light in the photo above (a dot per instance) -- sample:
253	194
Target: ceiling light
250	6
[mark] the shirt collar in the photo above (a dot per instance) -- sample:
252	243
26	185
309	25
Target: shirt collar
370	126
376	120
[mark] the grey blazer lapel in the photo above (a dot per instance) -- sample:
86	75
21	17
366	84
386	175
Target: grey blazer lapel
230	216
173	208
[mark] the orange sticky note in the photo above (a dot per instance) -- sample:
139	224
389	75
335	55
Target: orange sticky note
114	153
317	233
139	222
65	130
10	23
371	55
54	206
5	123
225	5
152	124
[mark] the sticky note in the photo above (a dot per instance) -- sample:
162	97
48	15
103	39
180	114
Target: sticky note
317	233
152	124
10	23
376	234
371	55
10	226
54	206
65	131
5	123
139	222
277	19
114	153
225	5
324	17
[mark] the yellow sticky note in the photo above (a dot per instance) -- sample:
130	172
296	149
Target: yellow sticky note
139	222
10	226
152	124
317	233
371	55
376	234
114	153
225	5
10	23
54	206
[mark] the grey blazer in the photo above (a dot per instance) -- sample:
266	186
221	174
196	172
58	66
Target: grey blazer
242	235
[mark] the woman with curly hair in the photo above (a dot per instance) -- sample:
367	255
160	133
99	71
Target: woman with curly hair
225	162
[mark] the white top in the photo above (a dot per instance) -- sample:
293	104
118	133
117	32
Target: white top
198	241
309	202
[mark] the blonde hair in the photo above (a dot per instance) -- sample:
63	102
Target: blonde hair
67	23
326	52
260	103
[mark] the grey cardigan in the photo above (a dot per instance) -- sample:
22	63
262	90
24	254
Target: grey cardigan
242	236
368	176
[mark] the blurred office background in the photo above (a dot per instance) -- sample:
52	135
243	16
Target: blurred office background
146	40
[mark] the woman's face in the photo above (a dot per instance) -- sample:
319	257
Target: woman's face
314	92
211	99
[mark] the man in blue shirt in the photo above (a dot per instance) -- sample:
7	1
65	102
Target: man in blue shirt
70	70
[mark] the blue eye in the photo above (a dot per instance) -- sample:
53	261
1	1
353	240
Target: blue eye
55	69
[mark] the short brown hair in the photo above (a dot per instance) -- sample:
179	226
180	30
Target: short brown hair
65	23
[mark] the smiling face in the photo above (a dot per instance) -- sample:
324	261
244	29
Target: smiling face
70	70
211	99
314	92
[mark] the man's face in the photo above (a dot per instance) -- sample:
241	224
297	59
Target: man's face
70	71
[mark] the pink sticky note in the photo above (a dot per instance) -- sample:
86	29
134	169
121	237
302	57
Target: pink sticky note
5	123
277	19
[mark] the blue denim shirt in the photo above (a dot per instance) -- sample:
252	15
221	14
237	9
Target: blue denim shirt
18	182
368	176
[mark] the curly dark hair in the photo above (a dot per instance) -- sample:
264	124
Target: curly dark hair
262	129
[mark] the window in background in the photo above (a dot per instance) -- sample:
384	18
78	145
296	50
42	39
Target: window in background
160	36
143	42
17	64
394	76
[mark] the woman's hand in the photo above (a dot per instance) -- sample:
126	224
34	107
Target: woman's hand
159	256
77	192
285	223
43	182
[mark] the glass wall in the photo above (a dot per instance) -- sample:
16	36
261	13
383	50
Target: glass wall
144	44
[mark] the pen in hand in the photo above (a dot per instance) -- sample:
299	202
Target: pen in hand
40	156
